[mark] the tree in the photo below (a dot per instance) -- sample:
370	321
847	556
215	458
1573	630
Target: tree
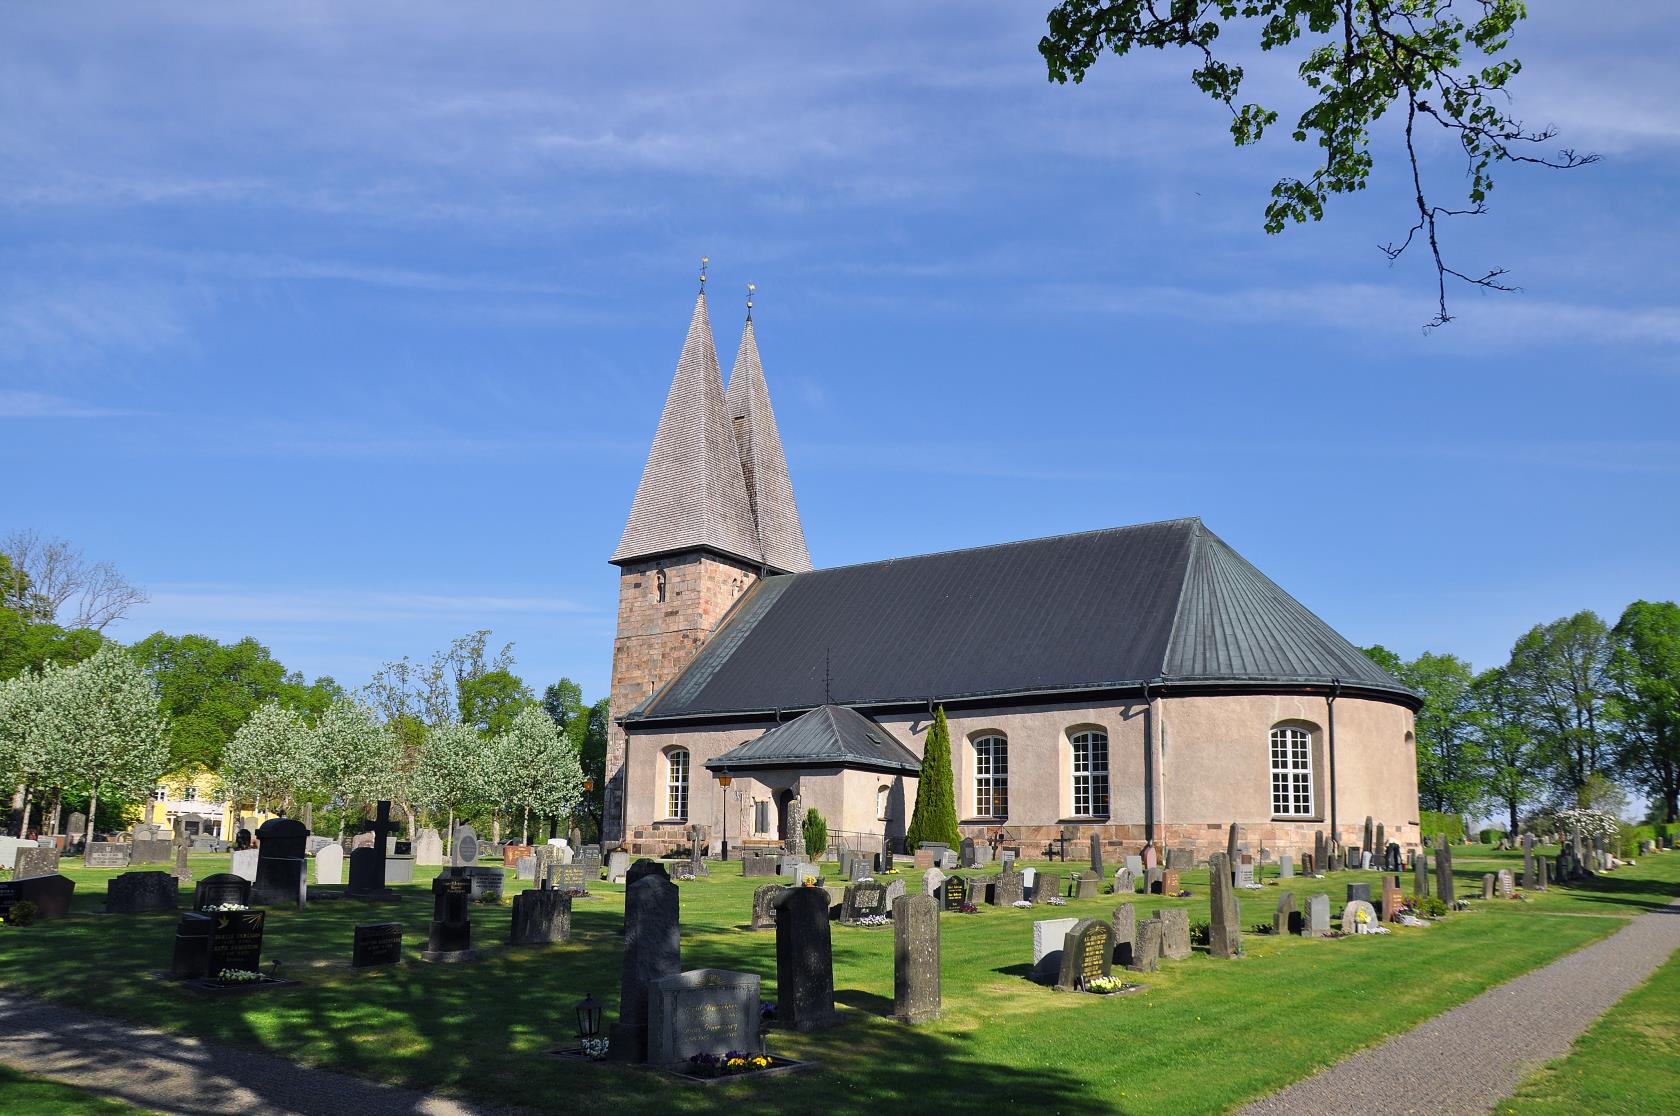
353	756
815	831
1363	58
64	588
1557	671
490	701
1513	766
25	642
539	768
210	688
270	758
24	707
103	725
935	816
586	727
450	774
1644	672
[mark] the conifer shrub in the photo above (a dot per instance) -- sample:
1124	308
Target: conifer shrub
815	830
935	817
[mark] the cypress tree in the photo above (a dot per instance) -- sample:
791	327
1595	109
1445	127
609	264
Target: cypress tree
935	817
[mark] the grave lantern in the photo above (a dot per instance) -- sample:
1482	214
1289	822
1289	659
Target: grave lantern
588	1017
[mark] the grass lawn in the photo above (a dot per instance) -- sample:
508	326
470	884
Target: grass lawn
1205	1036
30	1096
1627	1062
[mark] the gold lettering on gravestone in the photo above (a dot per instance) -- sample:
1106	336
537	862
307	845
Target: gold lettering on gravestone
1095	951
710	1025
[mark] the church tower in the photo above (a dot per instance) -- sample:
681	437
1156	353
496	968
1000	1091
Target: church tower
713	513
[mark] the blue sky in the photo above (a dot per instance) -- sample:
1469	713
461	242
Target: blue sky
348	326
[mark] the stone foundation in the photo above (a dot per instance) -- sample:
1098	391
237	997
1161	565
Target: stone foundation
1120	841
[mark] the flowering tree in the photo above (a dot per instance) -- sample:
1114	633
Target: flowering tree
353	755
450	772
100	729
270	756
22	702
1588	823
537	768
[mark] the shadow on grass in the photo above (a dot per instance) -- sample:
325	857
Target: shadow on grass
1615	888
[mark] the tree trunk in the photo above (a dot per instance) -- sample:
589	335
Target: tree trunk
93	812
408	813
496	827
57	810
449	833
525	827
17	809
28	802
1513	829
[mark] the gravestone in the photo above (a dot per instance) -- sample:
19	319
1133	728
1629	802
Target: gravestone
764	906
1046	885
1443	870
77	826
1151	858
1029	880
450	939
618	865
220	888
682	870
1381	845
428	852
1368	843
243	863
1545	873
933	883
924	860
1360	891
1134	865
895	888
1309	867
151	851
1224	931
315	844
1244	877
142	893
1175	933
1358	917
1391	898
966	858
866	899
1318	917
329	866
39	861
1049	935
1286	867
1085	886
953	894
1170	883
1153	878
484	881
568	878
705	1011
758	863
191	955
1125	882
367	866
1087	953
1318	850
652	951
1232	849
281	878
399	870
50	894
795	839
463	850
1420	871
916	989
1146	951
1286	919
235	941
181	845
541	916
1391	857
1008	888
376	943
1096	857
513	851
1124	925
1487	885
804	960
525	868
106	854
1529	879
1365	860
1507	887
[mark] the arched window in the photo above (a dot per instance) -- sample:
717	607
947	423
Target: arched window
883	800
1292	790
991	777
676	784
1090	774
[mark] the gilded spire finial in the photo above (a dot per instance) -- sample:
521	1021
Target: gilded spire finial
751	287
704	260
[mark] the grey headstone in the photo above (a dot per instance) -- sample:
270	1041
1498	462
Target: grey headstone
804	960
399	870
1096	856
1286	919
1175	933
764	906
933	883
1443	870
1134	864
114	854
243	863
652	951
1487	885
618	866
1420	869
1146	951
33	862
705	1011
1361	891
464	849
1124	924
1359	917
1125	882
1286	867
428	848
864	899
78	823
916	989
1318	916
541	916
1224	929
525	868
1087	953
1046	884
1008	888
1049	934
142	893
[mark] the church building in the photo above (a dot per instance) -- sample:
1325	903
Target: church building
1143	683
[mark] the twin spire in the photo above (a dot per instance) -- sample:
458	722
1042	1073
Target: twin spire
716	477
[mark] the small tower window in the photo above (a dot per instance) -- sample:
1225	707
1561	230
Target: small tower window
883	803
659	584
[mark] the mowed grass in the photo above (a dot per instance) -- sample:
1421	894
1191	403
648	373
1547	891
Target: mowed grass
21	1095
1627	1062
1206	1035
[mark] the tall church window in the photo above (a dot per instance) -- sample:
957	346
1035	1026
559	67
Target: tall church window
676	784
991	777
1090	774
1291	772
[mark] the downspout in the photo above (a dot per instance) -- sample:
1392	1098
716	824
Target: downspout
1151	803
1330	703
1161	766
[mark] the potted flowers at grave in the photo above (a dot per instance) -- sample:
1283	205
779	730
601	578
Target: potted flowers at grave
727	1065
238	976
968	908
1108	986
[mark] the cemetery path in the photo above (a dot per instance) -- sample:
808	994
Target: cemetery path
1470	1058
161	1072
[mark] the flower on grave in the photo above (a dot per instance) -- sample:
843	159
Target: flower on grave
227	907
873	920
1362	916
810	881
1185	894
238	976
1104	984
968	908
1056	901
1022	903
595	1048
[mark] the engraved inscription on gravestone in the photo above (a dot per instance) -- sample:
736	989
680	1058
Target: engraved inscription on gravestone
376	943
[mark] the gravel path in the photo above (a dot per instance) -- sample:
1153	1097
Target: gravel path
1472	1057
169	1073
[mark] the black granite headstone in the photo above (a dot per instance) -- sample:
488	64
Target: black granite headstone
281	876
376	943
223	887
451	931
235	941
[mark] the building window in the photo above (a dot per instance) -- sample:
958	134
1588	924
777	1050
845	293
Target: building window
1291	773
991	777
1090	774
189	793
676	784
883	797
659	584
160	794
761	816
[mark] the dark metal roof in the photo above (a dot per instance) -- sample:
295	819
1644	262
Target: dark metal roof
1103	609
829	735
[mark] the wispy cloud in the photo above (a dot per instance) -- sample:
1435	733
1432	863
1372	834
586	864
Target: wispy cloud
39	404
184	606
